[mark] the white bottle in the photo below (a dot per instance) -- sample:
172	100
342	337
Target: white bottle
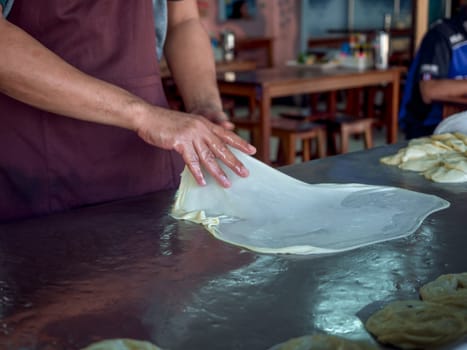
381	46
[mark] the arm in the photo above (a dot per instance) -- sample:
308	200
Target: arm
434	65
432	90
196	76
34	75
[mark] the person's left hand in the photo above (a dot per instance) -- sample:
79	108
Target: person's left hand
215	115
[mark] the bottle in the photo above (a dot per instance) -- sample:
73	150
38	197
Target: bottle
381	46
387	22
228	45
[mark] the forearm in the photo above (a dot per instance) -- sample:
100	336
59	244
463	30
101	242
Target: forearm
191	61
33	74
432	90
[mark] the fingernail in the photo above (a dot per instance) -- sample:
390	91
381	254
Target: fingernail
252	149
225	181
243	171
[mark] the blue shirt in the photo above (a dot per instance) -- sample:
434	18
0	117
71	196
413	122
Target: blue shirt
6	4
442	55
160	20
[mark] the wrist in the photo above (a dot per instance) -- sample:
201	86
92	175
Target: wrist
197	108
136	114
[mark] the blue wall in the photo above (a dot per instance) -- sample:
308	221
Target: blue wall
370	13
319	16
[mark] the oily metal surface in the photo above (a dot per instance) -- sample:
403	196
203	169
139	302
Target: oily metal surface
128	270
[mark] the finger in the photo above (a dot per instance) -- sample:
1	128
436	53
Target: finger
234	140
227	125
221	119
214	116
191	159
222	152
208	160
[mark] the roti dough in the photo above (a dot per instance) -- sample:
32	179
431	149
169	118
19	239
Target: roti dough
449	289
416	324
270	212
440	158
324	342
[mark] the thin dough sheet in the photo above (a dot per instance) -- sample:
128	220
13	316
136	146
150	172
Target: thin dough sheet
270	212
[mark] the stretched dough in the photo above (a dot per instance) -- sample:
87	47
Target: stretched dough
270	212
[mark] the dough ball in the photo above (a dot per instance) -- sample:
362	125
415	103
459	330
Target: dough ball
415	324
324	342
450	289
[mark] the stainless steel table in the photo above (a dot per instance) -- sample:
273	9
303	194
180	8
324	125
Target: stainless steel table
126	269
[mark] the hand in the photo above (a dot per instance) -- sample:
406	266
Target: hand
214	115
200	142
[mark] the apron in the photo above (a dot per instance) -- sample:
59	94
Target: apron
51	163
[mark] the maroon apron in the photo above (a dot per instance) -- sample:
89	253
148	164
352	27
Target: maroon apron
51	163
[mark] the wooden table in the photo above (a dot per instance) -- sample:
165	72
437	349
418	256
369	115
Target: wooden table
127	269
267	84
221	67
171	90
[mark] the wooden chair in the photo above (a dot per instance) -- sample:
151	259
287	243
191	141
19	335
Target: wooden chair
251	47
341	127
290	131
453	105
249	125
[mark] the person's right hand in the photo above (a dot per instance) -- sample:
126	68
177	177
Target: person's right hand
200	142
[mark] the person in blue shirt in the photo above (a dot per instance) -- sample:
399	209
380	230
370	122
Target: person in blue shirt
84	118
438	72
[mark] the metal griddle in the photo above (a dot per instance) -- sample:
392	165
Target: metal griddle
127	270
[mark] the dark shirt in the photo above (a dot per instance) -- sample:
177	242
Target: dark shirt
160	15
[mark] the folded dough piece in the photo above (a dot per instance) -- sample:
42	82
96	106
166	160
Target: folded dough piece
420	164
445	174
271	212
440	157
